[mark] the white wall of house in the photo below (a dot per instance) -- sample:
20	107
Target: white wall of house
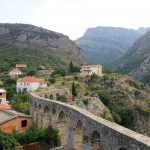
13	74
3	96
29	86
88	70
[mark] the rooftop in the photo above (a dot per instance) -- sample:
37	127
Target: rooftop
15	70
5	106
2	91
6	115
31	79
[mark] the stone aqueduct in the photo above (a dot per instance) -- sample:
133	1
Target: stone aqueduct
81	130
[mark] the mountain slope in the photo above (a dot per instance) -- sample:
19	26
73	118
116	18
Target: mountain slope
23	43
106	44
136	61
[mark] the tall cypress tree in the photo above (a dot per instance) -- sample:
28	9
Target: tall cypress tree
74	92
71	67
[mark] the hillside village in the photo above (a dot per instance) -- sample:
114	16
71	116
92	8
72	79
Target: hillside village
58	72
87	88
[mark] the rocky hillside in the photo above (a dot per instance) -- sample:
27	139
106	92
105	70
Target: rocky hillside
115	97
106	44
136	61
23	43
127	99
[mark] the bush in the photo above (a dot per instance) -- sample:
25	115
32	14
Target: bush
52	80
85	102
35	134
8	142
93	78
62	71
20	103
61	98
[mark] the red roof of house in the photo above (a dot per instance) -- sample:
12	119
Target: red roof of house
31	79
15	70
21	65
5	106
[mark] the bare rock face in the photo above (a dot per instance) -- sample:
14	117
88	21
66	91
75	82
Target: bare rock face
40	37
4	30
95	106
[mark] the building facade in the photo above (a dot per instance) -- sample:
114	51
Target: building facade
87	70
15	72
11	120
21	65
3	96
30	84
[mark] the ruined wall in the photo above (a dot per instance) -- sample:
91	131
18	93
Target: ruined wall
81	130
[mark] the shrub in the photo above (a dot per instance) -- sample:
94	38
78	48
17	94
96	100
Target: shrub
52	80
61	98
85	102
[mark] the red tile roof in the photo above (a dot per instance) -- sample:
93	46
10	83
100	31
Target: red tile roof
31	79
15	70
5	106
21	65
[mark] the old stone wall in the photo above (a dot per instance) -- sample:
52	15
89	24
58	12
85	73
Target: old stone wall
81	130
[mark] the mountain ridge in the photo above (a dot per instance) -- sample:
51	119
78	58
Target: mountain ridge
106	44
23	41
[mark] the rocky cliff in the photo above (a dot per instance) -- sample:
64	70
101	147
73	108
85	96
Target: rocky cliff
136	62
106	44
28	43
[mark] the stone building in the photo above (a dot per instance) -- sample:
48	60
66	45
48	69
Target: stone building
15	72
30	84
3	96
11	120
87	70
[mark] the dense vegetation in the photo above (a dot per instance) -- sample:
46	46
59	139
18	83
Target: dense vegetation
35	46
33	134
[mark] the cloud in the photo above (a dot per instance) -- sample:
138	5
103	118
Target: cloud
73	17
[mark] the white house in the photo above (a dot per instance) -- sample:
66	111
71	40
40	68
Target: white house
3	96
15	72
21	65
87	70
30	84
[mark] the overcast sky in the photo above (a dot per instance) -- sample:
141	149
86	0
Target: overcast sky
73	17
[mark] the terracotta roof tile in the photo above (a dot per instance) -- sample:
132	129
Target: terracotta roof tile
5	106
31	79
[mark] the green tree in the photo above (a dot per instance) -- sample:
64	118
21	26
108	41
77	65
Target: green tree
71	67
74	92
8	142
52	80
61	71
20	103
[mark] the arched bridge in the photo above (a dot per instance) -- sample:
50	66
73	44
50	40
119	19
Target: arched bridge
81	130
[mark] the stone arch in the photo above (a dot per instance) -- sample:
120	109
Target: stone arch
62	127
78	136
53	119
31	109
51	97
46	117
57	96
96	141
39	116
46	96
35	114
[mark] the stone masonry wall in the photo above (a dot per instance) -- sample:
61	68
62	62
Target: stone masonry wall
97	133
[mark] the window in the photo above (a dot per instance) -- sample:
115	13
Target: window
24	83
23	123
1	94
0	100
28	83
20	83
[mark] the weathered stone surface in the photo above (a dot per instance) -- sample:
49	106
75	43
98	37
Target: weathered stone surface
97	133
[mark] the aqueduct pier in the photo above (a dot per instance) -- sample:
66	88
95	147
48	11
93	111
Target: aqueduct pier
81	130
